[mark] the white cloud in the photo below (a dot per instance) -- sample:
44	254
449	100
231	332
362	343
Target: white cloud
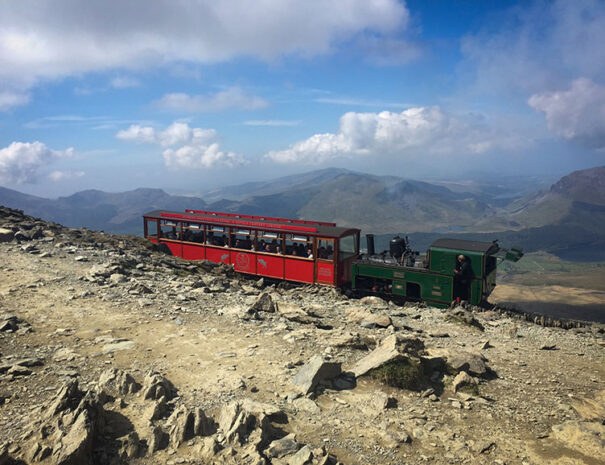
175	134
199	148
42	39
94	122
20	161
9	99
357	102
139	134
200	156
124	82
271	122
426	130
234	97
576	114
538	46
65	175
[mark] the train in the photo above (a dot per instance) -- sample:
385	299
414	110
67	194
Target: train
322	253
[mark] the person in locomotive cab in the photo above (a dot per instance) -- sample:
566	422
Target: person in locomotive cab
463	274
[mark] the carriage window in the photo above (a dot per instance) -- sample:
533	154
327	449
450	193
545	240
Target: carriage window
193	232
347	247
299	246
270	242
151	226
325	249
170	230
217	235
242	238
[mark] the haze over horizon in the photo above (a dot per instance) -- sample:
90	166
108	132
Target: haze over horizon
191	95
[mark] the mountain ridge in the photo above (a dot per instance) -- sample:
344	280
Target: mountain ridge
563	217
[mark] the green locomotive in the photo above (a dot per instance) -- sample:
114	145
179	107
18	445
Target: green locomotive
434	277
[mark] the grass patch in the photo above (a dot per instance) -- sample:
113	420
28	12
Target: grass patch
404	373
464	321
471	389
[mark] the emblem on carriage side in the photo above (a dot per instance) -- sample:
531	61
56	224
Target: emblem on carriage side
242	260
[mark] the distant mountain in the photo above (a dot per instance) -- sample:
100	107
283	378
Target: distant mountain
373	203
110	212
587	186
567	201
275	186
567	219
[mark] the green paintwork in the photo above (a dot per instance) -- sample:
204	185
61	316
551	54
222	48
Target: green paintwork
444	260
437	282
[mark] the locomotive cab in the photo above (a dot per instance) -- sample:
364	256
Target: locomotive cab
435	277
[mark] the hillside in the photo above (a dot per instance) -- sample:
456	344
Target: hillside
567	199
280	185
568	219
372	203
94	209
112	352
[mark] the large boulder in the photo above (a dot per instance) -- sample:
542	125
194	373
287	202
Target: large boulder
294	313
462	380
118	382
235	422
249	422
68	398
462	360
391	349
282	447
264	303
184	424
77	444
155	386
367	319
6	235
313	372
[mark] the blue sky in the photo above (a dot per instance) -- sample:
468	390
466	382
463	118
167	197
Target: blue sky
190	95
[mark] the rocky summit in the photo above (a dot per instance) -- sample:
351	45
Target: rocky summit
113	352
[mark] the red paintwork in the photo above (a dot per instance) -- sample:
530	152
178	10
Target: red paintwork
270	265
259	263
255	217
299	270
217	254
194	252
325	272
234	222
175	248
243	262
344	271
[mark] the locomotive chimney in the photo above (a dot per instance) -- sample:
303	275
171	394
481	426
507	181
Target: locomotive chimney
370	242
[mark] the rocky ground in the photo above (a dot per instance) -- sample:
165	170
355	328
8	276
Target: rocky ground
113	352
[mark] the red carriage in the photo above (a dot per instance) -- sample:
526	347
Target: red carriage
280	248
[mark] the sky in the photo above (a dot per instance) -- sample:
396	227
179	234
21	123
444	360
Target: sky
189	95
